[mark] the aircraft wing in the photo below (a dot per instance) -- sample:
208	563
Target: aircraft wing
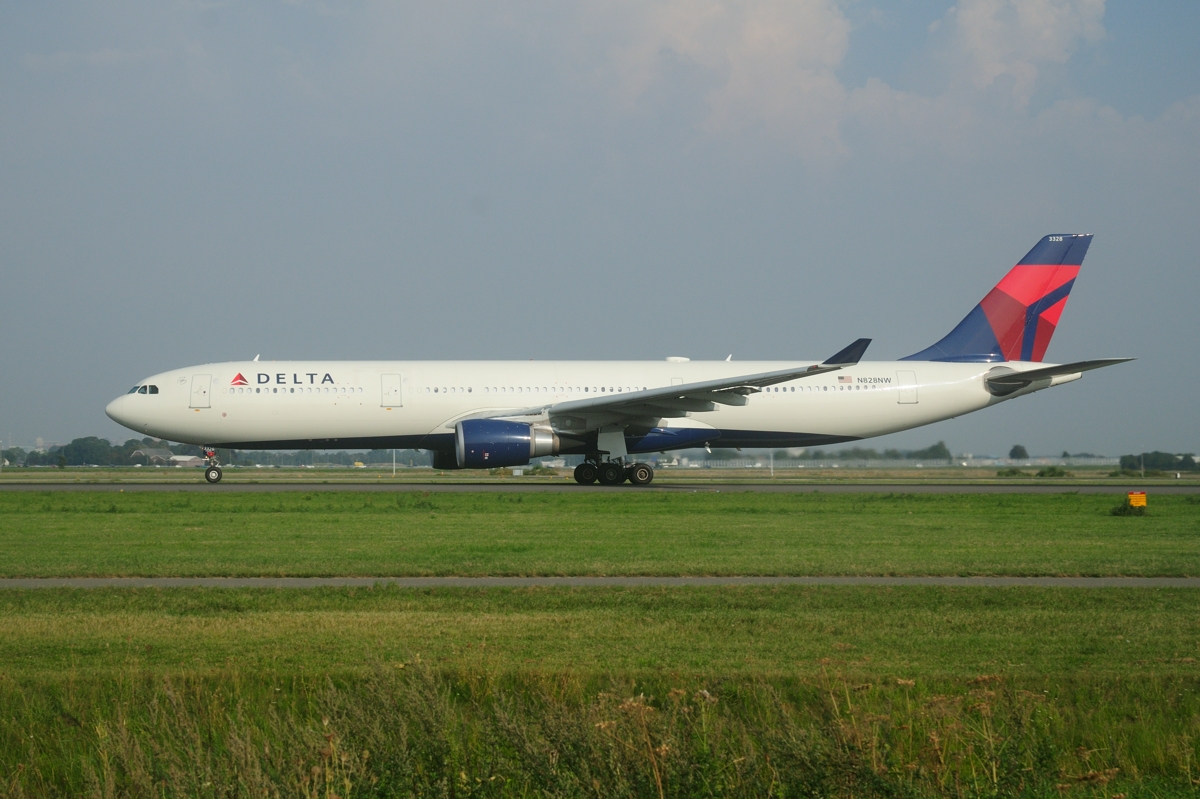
1011	381
702	396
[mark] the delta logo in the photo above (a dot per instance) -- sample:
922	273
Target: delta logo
282	379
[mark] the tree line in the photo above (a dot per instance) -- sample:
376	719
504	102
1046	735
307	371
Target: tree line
1158	462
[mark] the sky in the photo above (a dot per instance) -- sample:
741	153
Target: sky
190	182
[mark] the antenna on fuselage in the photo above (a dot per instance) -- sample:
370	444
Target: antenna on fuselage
256	358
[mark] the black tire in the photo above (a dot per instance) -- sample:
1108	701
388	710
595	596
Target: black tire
611	474
213	474
585	474
641	474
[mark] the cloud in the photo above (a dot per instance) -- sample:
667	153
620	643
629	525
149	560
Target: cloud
1014	39
769	67
770	70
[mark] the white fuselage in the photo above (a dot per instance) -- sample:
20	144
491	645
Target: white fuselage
415	404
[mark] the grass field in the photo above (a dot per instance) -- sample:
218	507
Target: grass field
737	691
733	691
333	533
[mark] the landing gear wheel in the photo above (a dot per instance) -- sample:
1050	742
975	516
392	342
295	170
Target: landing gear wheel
640	474
585	474
213	474
611	474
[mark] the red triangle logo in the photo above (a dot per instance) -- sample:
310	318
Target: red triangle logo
239	381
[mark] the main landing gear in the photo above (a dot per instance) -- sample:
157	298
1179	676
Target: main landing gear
613	473
212	470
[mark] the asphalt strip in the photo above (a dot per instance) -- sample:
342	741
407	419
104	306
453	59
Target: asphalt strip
564	487
583	582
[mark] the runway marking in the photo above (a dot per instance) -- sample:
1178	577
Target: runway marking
583	582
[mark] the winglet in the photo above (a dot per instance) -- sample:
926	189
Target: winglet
850	355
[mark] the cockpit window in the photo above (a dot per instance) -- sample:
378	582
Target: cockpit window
133	390
142	390
153	389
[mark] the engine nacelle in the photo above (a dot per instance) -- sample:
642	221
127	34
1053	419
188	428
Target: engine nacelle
489	443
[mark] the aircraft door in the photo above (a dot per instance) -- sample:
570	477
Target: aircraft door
908	388
201	385
391	397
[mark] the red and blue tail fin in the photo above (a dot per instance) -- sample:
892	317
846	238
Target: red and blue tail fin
1015	321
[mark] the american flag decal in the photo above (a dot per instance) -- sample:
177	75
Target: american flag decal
843	379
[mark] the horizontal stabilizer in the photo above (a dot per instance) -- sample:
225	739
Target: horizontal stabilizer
1008	382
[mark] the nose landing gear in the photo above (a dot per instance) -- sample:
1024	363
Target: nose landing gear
612	473
212	470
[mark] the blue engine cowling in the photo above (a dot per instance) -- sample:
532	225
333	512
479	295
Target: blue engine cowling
490	443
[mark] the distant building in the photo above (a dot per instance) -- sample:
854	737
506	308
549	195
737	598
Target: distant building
154	455
186	460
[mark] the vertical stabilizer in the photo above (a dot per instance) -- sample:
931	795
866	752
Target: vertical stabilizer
1015	321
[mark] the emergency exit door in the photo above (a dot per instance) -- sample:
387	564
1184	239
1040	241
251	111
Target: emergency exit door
391	397
908	388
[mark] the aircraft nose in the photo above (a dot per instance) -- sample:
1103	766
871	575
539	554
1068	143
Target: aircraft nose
118	410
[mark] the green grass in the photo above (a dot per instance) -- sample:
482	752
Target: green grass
730	691
413	533
720	691
736	631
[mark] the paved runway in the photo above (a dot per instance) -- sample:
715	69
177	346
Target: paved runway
582	582
516	487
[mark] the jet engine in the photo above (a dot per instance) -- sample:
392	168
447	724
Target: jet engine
490	443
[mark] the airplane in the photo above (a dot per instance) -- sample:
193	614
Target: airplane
488	414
